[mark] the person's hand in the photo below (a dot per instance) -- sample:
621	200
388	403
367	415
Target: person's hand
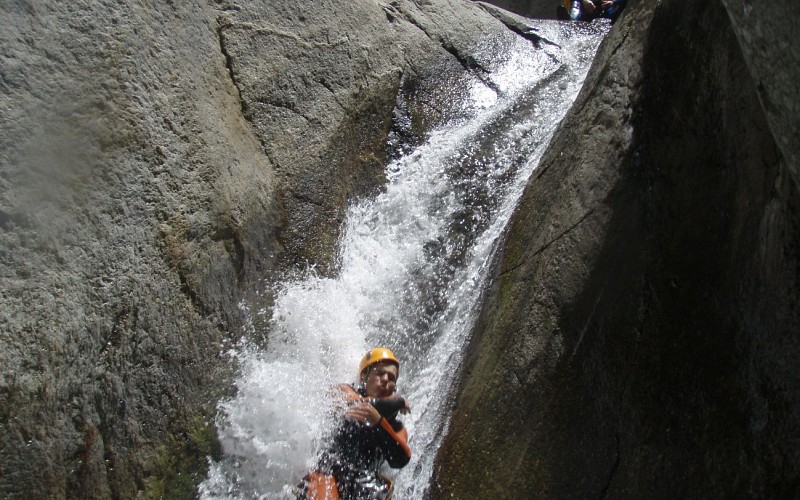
607	4
588	6
364	413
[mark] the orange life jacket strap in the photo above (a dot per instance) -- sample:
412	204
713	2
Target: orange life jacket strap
401	437
321	487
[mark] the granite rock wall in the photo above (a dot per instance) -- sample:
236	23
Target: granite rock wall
160	164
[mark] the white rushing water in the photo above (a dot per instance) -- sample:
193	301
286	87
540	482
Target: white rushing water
414	262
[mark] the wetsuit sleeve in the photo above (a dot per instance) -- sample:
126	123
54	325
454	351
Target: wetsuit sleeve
395	443
388	407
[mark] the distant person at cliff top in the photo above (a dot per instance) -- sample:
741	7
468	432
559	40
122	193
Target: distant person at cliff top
588	10
368	435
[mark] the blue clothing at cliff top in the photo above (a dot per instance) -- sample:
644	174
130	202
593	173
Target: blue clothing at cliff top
587	10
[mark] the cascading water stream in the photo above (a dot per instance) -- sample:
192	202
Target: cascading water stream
414	262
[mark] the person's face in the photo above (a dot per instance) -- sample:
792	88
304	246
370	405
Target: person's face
382	380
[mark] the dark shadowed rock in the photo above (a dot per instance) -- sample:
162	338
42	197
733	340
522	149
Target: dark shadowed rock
767	36
640	337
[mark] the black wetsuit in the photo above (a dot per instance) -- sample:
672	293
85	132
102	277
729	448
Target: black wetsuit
357	451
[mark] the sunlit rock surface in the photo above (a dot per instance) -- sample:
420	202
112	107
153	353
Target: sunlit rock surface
640	339
159	162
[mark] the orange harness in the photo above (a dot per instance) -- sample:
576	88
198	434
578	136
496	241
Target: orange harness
321	487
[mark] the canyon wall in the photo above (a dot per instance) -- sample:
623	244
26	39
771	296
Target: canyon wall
640	338
161	164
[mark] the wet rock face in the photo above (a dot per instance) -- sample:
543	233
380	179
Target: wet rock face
319	83
640	335
157	165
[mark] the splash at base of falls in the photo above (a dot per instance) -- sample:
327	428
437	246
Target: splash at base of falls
414	263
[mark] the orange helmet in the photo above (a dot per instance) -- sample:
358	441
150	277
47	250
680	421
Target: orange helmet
374	356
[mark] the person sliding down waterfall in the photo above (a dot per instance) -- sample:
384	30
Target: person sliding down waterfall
368	436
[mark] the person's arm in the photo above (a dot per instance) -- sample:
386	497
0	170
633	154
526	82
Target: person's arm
393	436
388	407
395	443
348	394
391	406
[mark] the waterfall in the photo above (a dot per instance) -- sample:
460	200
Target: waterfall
414	261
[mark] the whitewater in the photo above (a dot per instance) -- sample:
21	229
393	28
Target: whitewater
413	262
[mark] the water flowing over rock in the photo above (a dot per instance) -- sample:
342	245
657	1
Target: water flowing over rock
160	163
163	163
413	262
